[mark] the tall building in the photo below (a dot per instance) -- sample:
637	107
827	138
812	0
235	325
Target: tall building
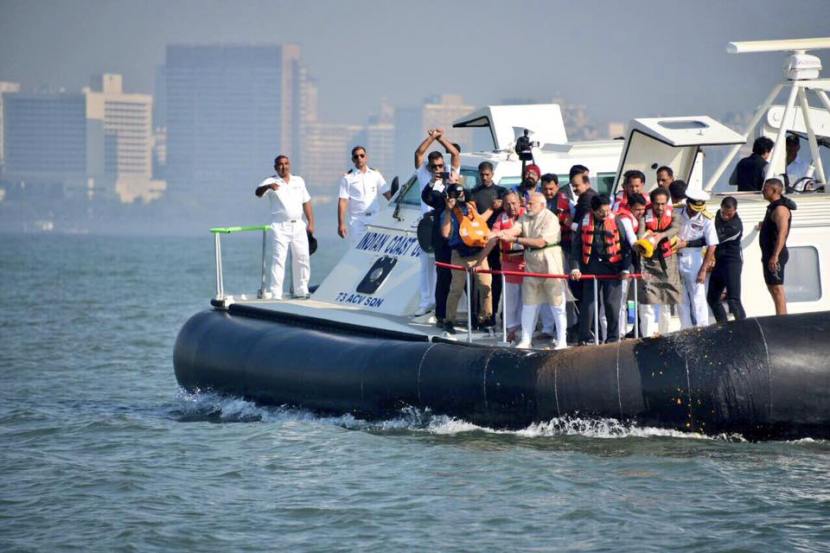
412	123
5	87
97	143
53	142
326	148
229	111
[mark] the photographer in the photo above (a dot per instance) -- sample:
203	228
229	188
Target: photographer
466	232
489	198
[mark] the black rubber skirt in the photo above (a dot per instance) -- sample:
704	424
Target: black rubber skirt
761	378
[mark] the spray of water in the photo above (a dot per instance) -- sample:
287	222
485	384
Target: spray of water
211	407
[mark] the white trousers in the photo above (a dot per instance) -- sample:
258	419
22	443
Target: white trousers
512	294
283	236
548	322
654	318
693	296
427	281
559	315
357	228
623	325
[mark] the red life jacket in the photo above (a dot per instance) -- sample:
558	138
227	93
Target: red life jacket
504	222
564	207
626	214
611	236
655	224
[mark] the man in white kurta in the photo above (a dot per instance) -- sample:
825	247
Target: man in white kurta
359	196
290	201
697	229
539	233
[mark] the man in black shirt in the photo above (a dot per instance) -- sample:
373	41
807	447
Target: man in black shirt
433	195
775	228
749	173
488	198
599	249
729	263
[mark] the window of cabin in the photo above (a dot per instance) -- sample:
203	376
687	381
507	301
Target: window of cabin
803	278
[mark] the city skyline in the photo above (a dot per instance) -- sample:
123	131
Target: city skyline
621	61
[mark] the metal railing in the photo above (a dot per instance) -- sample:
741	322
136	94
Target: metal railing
217	248
522	274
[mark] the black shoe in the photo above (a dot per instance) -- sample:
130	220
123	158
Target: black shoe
448	327
439	323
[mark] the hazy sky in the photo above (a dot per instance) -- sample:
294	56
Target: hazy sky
620	59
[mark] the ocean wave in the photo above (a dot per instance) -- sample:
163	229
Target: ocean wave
212	407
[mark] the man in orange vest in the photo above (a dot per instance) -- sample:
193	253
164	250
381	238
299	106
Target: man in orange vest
466	255
600	249
512	259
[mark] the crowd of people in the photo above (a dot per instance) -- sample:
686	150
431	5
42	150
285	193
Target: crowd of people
688	259
593	242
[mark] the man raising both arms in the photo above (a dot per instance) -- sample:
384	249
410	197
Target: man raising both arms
289	202
432	172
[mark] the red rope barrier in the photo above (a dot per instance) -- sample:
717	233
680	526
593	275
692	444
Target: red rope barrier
534	275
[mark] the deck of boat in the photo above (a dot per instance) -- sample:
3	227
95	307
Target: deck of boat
417	326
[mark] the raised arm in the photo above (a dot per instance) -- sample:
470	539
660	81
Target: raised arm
260	190
455	155
421	151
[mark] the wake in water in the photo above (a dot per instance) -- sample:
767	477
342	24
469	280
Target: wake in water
211	407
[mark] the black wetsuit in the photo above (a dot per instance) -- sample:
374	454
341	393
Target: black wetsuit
729	264
768	237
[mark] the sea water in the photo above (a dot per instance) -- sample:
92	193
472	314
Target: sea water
101	451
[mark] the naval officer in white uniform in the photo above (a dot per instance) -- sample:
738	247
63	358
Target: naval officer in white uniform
290	201
360	191
697	229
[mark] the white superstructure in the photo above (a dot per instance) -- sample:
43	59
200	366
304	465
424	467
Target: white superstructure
376	282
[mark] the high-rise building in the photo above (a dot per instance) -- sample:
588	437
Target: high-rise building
230	110
326	155
54	142
97	143
5	87
411	125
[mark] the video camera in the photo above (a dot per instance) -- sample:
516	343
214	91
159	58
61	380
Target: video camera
524	146
454	191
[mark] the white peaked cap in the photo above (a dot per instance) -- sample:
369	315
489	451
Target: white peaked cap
697	194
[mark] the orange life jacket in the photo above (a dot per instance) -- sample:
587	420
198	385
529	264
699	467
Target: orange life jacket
472	228
626	214
655	224
504	222
611	236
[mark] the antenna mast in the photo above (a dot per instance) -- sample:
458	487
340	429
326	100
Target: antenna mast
802	75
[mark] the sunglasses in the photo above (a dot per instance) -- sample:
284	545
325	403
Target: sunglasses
437	166
358	156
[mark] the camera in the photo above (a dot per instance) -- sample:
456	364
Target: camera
454	191
524	147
